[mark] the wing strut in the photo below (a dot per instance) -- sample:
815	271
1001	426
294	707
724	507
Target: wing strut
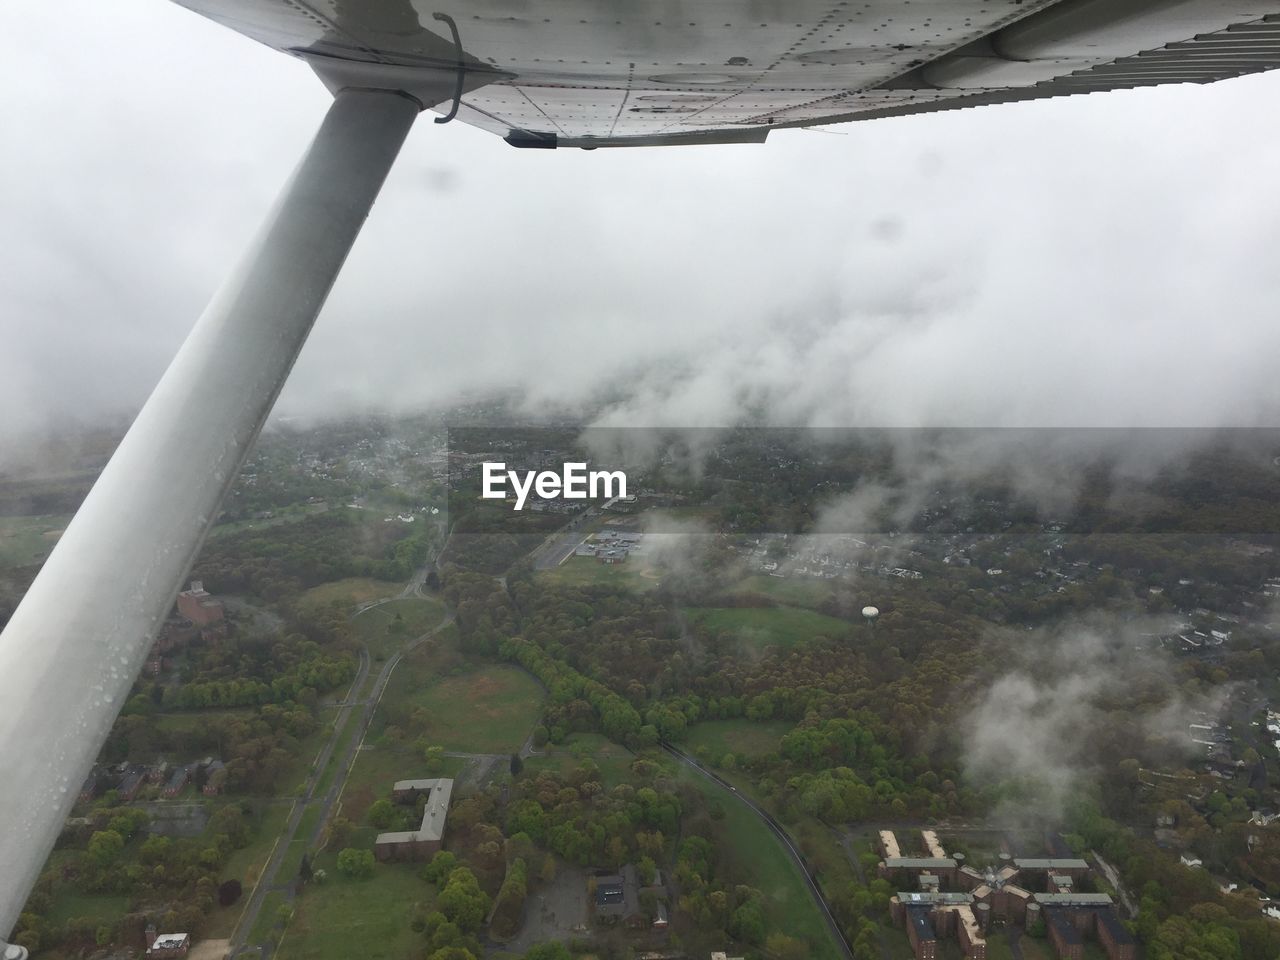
76	643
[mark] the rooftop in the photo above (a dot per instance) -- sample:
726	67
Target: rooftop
1069	863
923	925
1073	899
919	863
1119	932
918	898
434	813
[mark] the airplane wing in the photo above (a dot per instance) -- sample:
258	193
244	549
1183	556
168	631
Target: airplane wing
653	72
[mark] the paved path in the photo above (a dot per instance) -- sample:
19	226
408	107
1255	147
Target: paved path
270	880
778	831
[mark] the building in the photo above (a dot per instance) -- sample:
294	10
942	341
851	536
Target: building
167	945
1066	939
177	780
960	901
199	606
618	899
89	789
924	941
129	786
215	778
420	844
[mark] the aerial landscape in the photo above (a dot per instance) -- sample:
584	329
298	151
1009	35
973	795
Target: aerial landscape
673	480
790	703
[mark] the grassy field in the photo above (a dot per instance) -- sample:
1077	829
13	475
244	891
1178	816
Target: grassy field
27	540
635	574
99	908
797	591
245	865
268	917
613	760
489	709
358	918
377	768
761	857
742	738
389	626
760	627
348	593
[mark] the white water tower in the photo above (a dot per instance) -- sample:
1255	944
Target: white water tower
871	613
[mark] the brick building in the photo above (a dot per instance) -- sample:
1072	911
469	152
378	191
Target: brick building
420	844
199	606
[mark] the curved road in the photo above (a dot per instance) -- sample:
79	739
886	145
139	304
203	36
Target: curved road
779	832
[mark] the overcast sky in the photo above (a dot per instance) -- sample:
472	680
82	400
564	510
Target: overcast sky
1102	260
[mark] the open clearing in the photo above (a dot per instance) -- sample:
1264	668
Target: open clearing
742	738
762	857
389	626
492	709
27	540
348	593
342	918
635	574
613	759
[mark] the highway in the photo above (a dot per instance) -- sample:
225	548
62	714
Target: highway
778	831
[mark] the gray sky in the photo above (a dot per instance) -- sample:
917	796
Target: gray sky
1102	260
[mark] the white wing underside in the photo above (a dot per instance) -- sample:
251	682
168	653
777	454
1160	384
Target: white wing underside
589	73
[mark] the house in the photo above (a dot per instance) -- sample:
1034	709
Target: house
215	778
167	945
129	786
177	780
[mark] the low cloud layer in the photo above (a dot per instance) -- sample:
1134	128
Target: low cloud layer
1081	694
1103	260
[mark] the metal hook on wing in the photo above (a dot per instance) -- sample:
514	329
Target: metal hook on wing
461	68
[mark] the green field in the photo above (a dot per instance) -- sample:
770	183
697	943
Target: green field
348	593
386	628
634	575
268	918
760	627
370	919
377	768
613	760
742	738
99	908
27	540
761	856
491	709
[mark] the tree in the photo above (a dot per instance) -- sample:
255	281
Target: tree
105	846
748	923
355	864
229	892
462	900
382	813
548	951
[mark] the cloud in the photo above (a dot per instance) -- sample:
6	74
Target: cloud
1097	260
1078	694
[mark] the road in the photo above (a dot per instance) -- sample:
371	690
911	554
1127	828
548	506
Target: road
778	831
269	881
560	545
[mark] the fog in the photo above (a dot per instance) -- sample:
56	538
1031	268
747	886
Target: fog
1100	260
